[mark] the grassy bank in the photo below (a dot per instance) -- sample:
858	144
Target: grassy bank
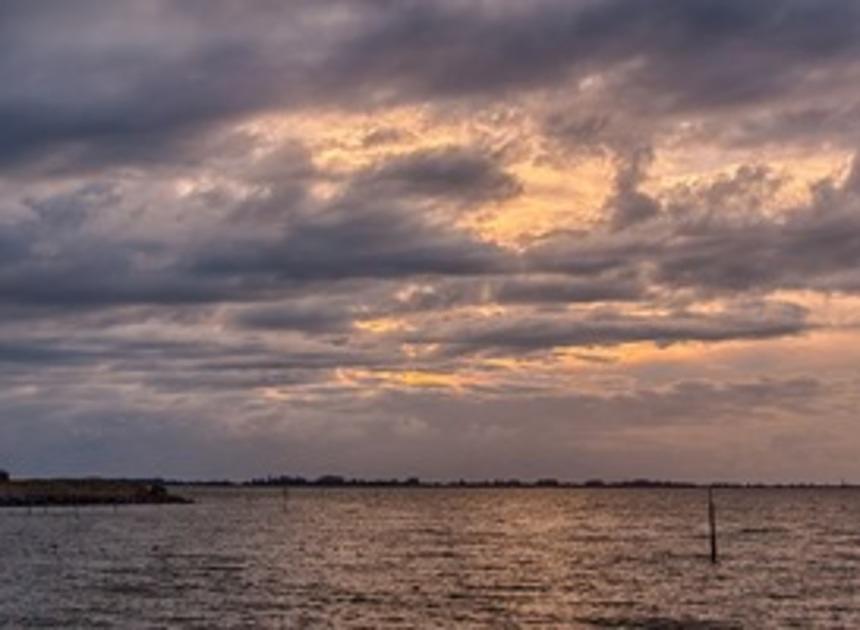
82	492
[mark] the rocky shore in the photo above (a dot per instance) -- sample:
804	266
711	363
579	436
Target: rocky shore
83	492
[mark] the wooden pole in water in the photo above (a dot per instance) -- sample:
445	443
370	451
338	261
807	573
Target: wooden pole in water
712	521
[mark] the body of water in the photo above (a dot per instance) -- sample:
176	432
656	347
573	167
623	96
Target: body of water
438	558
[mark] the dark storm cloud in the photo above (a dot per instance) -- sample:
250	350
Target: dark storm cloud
39	352
385	135
56	258
381	298
380	226
158	367
718	238
370	230
56	262
93	349
585	254
809	250
529	333
379	244
82	271
452	172
810	246
629	205
418	44
87	283
303	316
79	79
562	290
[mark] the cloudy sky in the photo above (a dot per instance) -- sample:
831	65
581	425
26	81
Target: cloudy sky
445	238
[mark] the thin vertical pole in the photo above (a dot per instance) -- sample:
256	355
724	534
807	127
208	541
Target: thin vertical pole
712	521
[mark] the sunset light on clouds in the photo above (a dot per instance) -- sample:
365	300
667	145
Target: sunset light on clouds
439	238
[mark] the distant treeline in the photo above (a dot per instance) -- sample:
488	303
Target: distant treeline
338	481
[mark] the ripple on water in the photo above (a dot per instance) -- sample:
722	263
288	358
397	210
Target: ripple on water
438	558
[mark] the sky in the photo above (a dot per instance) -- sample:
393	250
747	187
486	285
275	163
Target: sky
445	238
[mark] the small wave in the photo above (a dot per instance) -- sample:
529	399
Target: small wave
659	623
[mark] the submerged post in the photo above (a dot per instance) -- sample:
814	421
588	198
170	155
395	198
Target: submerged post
712	521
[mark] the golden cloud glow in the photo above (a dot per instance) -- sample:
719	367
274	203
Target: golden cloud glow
409	379
381	325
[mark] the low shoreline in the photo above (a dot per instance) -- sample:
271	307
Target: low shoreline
71	492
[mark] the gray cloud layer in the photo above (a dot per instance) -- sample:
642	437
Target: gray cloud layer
161	262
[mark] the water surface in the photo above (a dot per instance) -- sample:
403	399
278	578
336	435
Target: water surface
402	558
